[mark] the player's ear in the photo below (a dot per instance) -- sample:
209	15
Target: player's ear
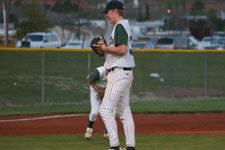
87	77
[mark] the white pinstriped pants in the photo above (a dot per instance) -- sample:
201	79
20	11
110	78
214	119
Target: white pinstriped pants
117	95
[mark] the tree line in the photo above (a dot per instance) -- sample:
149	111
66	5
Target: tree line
33	16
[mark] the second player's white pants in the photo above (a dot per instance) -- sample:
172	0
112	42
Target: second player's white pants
95	104
117	95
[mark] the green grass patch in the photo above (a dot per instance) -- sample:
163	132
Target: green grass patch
144	142
191	106
44	109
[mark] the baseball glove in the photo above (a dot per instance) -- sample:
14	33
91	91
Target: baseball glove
101	92
96	44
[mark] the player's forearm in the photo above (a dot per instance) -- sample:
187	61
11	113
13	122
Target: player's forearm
92	83
94	86
119	50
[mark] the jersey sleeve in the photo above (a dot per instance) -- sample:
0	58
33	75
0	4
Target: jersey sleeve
94	76
121	36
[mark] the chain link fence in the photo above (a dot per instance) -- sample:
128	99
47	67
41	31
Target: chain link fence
34	78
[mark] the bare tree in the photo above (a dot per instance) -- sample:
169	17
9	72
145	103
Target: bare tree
62	21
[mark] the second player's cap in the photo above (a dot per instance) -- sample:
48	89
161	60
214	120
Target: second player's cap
113	4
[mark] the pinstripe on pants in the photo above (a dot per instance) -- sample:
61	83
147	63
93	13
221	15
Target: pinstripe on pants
117	95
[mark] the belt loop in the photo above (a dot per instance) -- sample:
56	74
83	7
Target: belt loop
112	69
125	69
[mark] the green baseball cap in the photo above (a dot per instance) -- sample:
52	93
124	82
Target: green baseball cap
114	4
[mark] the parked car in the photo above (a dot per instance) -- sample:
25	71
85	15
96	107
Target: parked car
143	45
172	43
40	40
212	43
218	43
77	45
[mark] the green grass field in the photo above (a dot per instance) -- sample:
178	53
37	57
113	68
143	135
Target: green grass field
144	142
191	106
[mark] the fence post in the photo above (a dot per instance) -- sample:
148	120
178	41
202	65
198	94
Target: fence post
43	79
205	74
169	74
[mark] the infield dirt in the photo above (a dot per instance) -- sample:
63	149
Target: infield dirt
202	123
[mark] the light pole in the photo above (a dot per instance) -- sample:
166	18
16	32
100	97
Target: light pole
6	11
43	66
4	20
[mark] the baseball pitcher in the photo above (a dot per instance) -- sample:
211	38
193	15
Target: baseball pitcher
119	63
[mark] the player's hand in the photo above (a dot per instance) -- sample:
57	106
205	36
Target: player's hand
103	47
